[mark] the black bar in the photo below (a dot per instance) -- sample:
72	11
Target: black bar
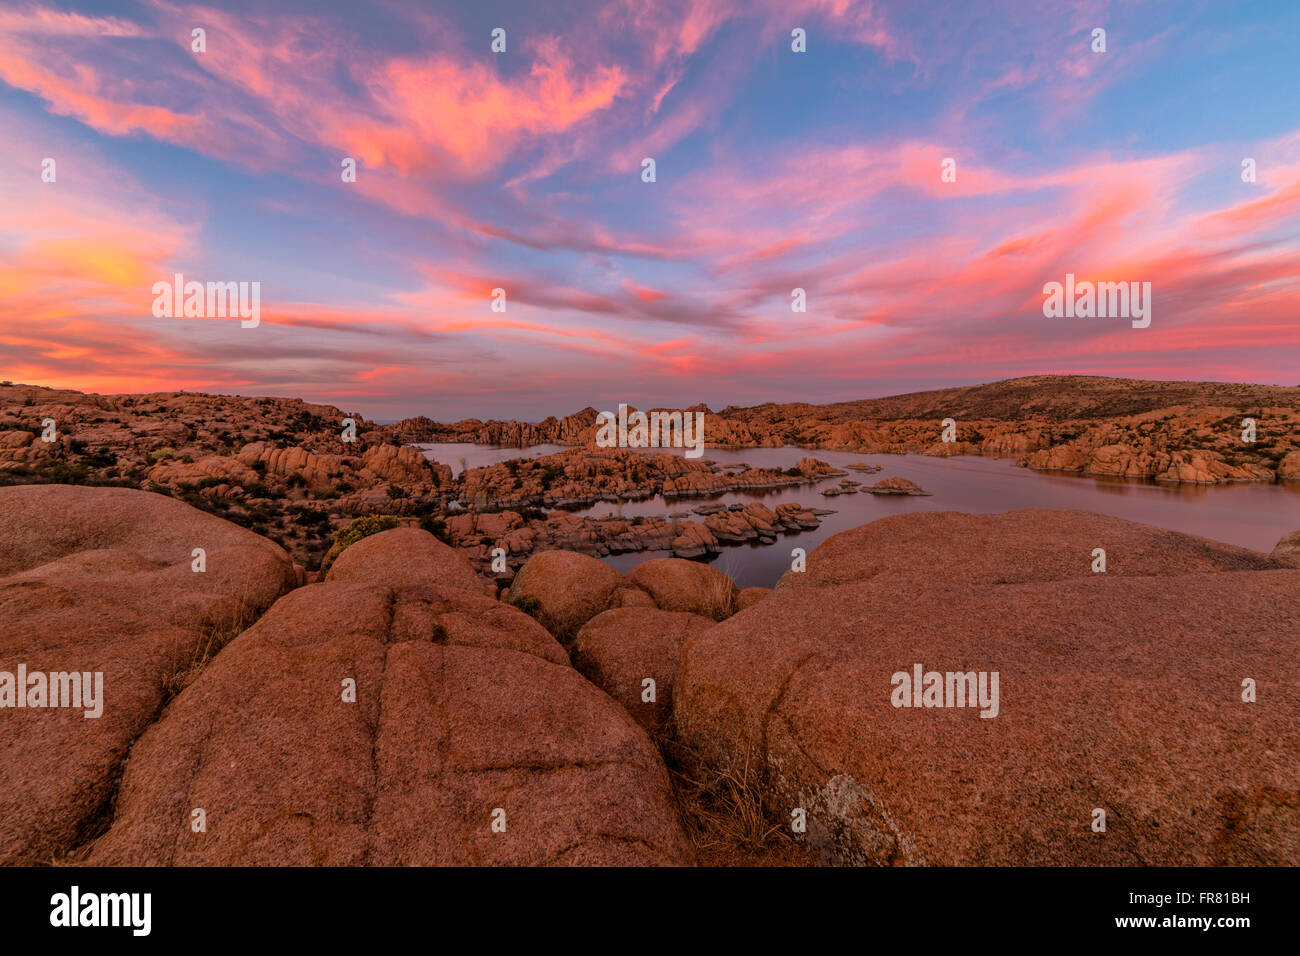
649	909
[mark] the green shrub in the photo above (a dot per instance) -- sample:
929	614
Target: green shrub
358	529
528	604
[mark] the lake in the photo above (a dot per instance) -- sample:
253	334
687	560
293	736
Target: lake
1253	516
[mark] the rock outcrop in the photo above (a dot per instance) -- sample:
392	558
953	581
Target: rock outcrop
895	486
1168	431
478	534
586	475
359	722
1144	459
1126	692
1288	547
680	585
106	581
404	557
621	649
693	540
280	467
564	590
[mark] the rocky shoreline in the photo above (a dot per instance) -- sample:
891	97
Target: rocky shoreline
1175	432
301	473
477	534
282	468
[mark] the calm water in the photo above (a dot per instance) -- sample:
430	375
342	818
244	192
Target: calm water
1250	515
453	453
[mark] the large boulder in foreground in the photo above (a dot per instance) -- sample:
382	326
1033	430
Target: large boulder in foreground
677	584
619	649
1120	692
402	557
101	581
564	590
1019	546
466	711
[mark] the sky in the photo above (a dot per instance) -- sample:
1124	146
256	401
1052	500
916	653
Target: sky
522	170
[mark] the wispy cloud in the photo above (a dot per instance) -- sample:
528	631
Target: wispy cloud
776	170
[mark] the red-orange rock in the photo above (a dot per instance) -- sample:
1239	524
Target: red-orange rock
1288	547
693	540
568	589
1120	691
895	486
102	580
620	649
631	597
680	585
466	714
402	557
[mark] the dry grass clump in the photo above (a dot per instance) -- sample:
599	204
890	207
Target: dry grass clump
723	813
215	631
719	596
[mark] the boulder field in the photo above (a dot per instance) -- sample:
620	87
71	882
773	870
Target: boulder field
1147	714
394	715
564	590
397	712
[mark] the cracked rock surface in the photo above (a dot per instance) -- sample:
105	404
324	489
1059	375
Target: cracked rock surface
464	706
1119	690
102	580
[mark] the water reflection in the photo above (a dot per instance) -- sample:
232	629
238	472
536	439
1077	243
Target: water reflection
461	455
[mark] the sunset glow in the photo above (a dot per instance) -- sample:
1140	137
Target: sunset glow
522	171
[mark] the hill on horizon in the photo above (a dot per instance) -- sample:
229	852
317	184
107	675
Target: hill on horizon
1047	397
